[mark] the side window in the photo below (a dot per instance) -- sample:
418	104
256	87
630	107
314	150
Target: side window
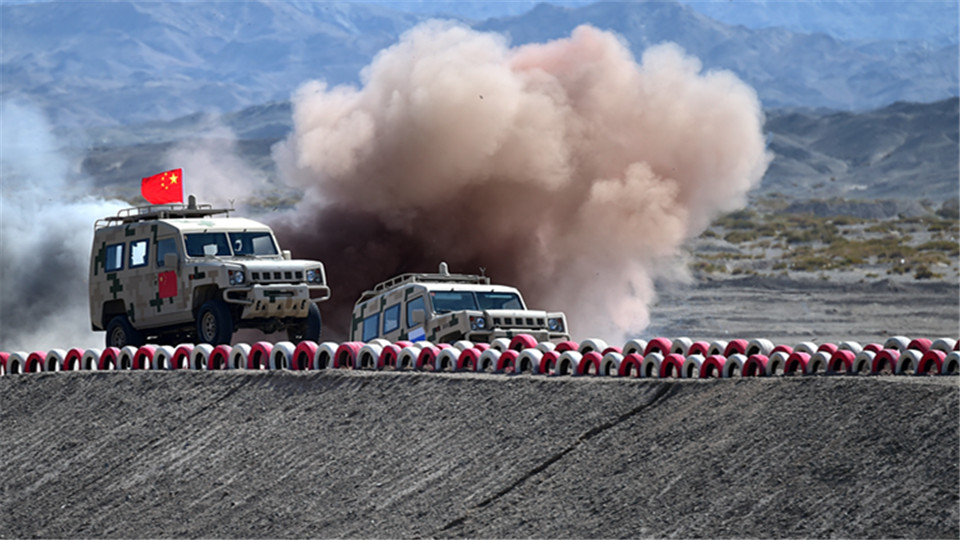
138	253
391	318
416	303
164	246
371	327
114	260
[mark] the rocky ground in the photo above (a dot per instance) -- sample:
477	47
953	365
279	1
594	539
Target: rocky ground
357	454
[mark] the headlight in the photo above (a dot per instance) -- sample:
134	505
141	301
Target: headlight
555	325
311	276
478	323
236	278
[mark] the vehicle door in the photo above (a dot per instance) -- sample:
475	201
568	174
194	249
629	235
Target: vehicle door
170	286
415	324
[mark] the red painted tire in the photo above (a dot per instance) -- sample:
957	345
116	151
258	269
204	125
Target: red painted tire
521	342
427	359
873	347
920	344
565	346
885	360
144	357
181	357
303	355
796	362
507	362
259	357
548	363
630	366
612	349
828	348
782	348
71	362
698	347
842	361
35	362
735	346
931	363
661	345
713	366
756	365
220	358
481	346
346	357
589	364
671	367
3	362
402	343
108	359
389	355
469	360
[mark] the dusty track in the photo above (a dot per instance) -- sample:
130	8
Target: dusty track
349	454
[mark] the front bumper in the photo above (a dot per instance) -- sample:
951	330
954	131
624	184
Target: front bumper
280	300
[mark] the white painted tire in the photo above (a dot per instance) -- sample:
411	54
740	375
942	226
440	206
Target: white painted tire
125	358
281	355
760	346
717	347
568	362
691	366
54	360
907	362
529	361
897	342
650	368
407	359
447	359
852	346
610	364
422	344
88	362
488	359
546	346
634	346
162	357
776	363
500	344
863	362
239	355
592	345
944	344
326	352
17	361
680	345
462	345
368	357
807	347
380	342
733	367
200	357
951	364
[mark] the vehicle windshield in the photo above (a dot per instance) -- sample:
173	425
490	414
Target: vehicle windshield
242	243
446	301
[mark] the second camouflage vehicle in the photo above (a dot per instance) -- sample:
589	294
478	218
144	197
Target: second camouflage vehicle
173	272
445	307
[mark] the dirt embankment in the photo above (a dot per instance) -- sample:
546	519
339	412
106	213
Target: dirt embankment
338	454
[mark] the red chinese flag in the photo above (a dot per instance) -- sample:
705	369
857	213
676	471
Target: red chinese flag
167	284
163	188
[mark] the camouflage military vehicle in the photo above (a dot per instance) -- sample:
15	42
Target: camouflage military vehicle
445	307
172	273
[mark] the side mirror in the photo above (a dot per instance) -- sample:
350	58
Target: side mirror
418	316
287	255
170	260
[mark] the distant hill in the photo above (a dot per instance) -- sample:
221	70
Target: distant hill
108	63
906	150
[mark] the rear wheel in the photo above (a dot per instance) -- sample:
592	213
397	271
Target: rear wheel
121	333
214	323
308	329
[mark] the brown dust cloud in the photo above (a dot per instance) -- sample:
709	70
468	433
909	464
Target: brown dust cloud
568	169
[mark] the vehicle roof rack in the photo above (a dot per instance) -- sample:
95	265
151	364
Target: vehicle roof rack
162	211
443	276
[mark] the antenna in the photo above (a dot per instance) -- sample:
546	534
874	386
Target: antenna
483	272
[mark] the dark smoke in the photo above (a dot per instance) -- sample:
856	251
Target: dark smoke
566	168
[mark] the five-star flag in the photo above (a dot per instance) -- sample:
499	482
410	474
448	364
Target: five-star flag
163	188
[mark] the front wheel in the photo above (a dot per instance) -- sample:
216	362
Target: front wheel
121	333
307	330
214	323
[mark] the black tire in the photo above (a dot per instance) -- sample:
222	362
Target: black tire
214	323
121	333
307	330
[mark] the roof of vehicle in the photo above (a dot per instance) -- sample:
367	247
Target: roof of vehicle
188	218
443	280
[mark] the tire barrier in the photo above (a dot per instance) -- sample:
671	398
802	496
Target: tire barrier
657	358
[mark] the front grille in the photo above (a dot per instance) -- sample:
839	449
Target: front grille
277	277
519	322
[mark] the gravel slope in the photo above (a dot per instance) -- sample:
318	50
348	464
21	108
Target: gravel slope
351	454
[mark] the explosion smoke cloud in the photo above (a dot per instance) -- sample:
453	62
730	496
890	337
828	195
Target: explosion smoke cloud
565	168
